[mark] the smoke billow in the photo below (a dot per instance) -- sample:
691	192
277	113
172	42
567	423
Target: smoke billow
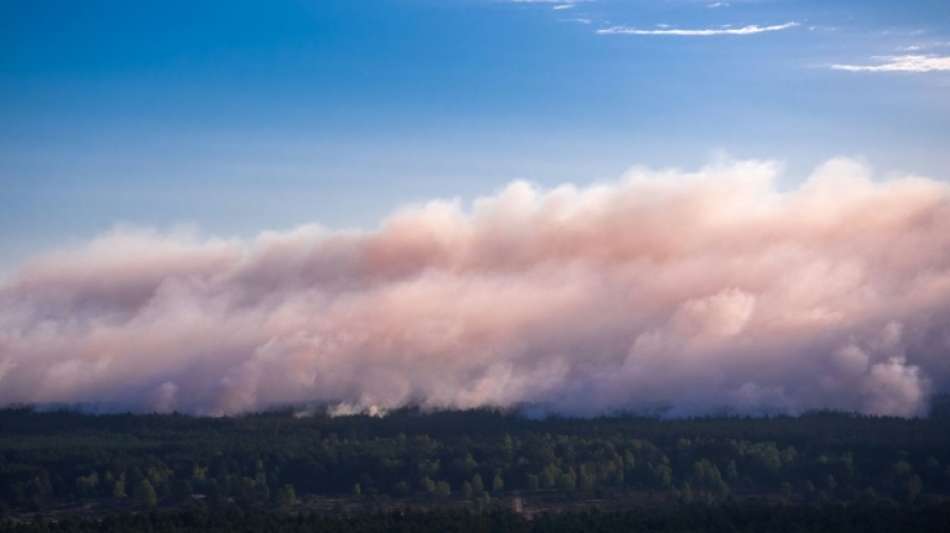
665	289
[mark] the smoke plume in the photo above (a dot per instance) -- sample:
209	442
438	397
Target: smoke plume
685	291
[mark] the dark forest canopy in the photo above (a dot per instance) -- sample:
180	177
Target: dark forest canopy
58	463
694	518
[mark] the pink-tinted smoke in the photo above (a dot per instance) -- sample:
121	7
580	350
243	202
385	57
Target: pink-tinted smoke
690	291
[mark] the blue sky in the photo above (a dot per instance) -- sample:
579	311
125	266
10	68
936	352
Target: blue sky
241	116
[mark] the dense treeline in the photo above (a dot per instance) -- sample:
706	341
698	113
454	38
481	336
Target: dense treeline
279	460
696	518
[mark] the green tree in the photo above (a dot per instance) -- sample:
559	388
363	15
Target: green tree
786	490
40	489
497	484
478	486
287	496
585	478
182	490
118	489
567	481
145	494
401	489
629	461
912	488
507	446
831	483
550	475
662	475
443	489
87	485
707	478
732	473
534	482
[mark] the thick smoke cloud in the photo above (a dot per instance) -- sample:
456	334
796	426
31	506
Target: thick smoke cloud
685	291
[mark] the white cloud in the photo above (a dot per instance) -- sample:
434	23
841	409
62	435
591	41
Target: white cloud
557	5
717	4
924	45
698	32
558	2
903	63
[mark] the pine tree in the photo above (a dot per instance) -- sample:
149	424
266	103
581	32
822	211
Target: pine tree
145	494
287	496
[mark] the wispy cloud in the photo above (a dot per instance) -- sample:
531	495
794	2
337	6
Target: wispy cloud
928	45
696	32
717	4
902	63
558	3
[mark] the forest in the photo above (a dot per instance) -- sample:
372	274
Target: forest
478	470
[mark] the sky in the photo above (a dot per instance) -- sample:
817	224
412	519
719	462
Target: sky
235	117
580	206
